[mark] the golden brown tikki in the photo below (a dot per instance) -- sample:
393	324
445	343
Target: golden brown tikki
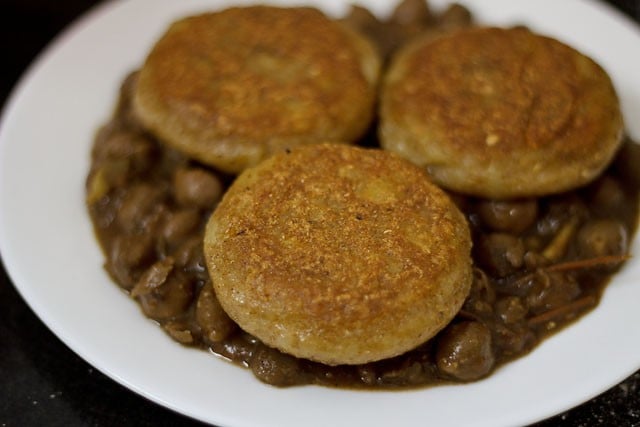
338	254
231	87
500	113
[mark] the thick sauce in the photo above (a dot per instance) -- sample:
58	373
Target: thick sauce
539	263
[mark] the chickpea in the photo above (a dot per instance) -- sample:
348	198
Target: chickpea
500	253
510	216
216	325
197	187
602	237
464	351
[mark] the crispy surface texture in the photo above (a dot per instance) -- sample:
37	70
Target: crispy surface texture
500	113
231	87
338	254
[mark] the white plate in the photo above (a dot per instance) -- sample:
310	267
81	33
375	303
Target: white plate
49	250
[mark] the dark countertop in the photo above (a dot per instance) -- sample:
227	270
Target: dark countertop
42	382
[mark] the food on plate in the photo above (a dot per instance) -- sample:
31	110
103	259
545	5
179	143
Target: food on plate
409	19
229	88
338	254
538	262
500	113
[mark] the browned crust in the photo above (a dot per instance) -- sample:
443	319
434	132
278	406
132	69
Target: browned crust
338	254
501	112
230	87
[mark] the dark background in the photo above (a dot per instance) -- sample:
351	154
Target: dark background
43	383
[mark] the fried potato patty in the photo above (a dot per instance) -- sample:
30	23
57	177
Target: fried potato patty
338	254
229	88
500	113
